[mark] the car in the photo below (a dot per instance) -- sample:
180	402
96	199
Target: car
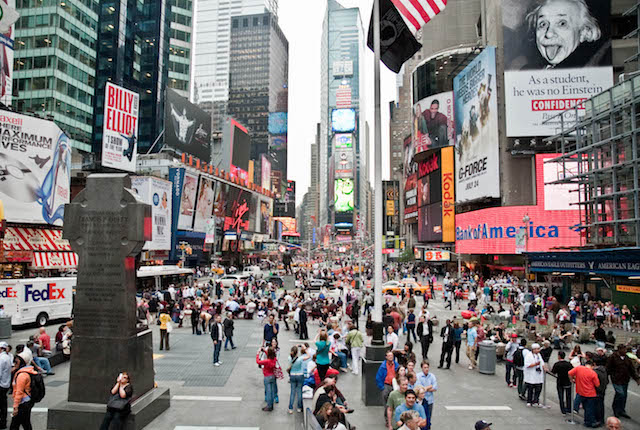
395	287
254	271
316	284
229	280
276	280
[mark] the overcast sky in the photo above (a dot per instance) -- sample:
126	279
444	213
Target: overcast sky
301	22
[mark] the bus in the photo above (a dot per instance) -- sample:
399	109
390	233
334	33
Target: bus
292	238
158	278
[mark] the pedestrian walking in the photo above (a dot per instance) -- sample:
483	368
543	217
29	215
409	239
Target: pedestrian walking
268	372
271	329
228	331
411	326
217	334
165	329
304	335
355	341
5	381
509	350
586	381
601	371
425	334
472	344
296	378
447	335
518	364
534	375
457	339
563	384
22	397
621	370
430	383
119	404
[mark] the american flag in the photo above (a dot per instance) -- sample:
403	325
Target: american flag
343	96
417	13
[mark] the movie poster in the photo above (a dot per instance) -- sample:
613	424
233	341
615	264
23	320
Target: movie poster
188	201
557	54
204	206
433	125
120	128
476	118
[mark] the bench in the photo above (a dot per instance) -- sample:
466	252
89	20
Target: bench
56	357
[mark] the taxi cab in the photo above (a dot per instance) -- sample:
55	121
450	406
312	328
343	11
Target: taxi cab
396	287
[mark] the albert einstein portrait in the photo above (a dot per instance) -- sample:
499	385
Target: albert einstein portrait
552	34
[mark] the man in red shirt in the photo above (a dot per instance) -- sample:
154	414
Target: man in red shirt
586	381
397	319
44	339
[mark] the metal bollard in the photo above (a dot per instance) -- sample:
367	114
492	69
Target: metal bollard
571	420
544	392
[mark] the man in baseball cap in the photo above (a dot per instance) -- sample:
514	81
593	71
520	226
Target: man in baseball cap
483	425
5	381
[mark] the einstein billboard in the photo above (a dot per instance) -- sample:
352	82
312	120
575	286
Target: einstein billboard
564	59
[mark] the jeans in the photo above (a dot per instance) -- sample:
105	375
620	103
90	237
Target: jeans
296	390
303	332
600	344
3	407
269	386
428	410
356	353
216	351
116	417
458	344
590	406
447	349
533	393
564	395
385	396
164	339
519	376
508	369
43	363
619	399
599	414
424	342
227	341
23	418
343	359
411	329
577	402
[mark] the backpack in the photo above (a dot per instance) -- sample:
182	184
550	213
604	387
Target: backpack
518	358
37	388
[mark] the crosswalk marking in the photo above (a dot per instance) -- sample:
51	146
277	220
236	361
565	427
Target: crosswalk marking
43	410
477	408
208	398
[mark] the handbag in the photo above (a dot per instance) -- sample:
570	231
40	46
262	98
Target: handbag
169	327
118	403
277	371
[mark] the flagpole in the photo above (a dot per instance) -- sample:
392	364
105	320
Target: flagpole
377	310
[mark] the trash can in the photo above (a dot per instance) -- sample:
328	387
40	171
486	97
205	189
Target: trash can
487	357
5	328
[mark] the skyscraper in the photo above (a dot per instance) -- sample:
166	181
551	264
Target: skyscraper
180	43
342	130
55	65
211	50
258	85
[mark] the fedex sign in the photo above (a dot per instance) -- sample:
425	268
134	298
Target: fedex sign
9	293
36	294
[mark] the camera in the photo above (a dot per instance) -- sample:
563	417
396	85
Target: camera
538	369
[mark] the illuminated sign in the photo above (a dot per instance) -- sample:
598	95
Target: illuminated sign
343	120
433	255
628	289
344	195
448	196
344	141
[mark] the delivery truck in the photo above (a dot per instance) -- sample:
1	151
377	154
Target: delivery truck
37	300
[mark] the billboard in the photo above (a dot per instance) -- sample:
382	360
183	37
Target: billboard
188	201
410	167
436	255
343	120
120	128
411	199
265	217
344	195
433	125
157	193
35	169
430	223
204	205
289	224
237	204
476	118
562	61
265	174
344	163
176	177
8	17
277	123
240	150
496	230
448	195
187	128
391	218
344	141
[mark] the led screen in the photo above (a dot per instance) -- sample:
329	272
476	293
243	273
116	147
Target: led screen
343	120
241	149
344	141
344	195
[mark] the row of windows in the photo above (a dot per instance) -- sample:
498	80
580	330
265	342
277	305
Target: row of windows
183	4
48	41
179	67
180	52
237	22
50	83
43	62
50	105
181	19
25	4
179	84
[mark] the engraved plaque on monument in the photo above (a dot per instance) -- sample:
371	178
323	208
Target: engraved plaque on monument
107	227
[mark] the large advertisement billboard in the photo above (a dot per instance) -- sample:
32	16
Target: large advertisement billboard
391	219
344	195
188	201
120	128
433	124
564	59
187	128
277	123
411	199
237	209
240	150
35	169
157	193
448	195
344	141
8	17
344	163
495	230
204	205
265	174
476	117
343	120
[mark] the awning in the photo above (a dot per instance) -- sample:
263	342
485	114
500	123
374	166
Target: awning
55	260
34	239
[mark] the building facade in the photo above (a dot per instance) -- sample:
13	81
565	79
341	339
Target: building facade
180	46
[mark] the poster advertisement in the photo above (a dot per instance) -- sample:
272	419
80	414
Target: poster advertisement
265	174
411	199
344	195
204	205
210	230
8	17
188	202
433	122
187	127
562	61
344	163
448	195
476	117
265	217
35	169
157	193
120	128
410	167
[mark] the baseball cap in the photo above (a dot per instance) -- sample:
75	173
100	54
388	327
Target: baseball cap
535	346
4	345
482	424
514	335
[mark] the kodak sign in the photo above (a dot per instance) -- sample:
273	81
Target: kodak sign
448	195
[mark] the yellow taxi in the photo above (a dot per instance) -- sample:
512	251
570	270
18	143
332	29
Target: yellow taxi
396	287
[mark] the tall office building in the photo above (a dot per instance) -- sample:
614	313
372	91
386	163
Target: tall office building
180	43
211	50
342	130
55	63
258	85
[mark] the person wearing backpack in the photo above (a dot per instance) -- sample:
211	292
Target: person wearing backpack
28	388
518	364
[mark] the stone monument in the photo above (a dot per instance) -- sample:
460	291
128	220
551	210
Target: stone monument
107	227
